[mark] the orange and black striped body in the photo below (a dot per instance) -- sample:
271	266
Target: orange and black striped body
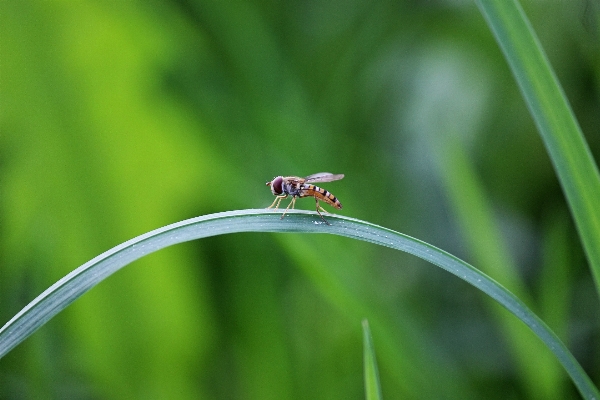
307	190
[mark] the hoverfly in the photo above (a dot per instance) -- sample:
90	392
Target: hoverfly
284	186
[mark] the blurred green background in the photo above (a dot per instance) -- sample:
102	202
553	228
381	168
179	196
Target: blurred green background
120	117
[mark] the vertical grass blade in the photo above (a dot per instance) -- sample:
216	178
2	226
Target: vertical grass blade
562	136
372	385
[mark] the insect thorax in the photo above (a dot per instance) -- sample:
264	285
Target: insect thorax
293	189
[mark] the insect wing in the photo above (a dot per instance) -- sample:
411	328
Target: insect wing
323	177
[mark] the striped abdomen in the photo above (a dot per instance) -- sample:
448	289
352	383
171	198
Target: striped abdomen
320	194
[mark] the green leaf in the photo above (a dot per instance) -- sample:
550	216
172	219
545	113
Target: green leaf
487	246
569	152
372	385
72	286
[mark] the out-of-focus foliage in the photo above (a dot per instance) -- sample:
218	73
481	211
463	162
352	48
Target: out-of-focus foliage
119	117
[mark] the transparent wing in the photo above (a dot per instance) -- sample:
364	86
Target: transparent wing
323	177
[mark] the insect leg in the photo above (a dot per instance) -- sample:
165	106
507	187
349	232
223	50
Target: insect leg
291	204
277	200
319	212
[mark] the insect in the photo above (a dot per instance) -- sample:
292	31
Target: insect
284	186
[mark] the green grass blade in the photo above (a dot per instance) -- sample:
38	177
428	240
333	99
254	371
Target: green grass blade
570	155
72	286
372	385
410	359
487	246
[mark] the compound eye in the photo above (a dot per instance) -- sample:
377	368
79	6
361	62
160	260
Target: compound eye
276	185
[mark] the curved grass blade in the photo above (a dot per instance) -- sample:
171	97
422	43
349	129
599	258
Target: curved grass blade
372	385
569	152
490	253
73	285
